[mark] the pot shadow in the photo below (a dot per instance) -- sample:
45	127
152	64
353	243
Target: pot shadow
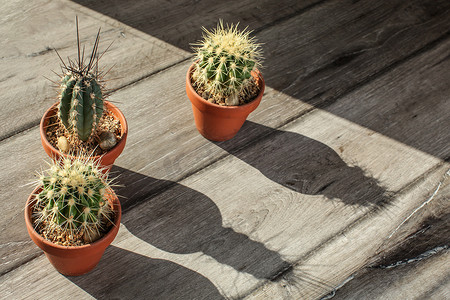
306	166
182	220
122	274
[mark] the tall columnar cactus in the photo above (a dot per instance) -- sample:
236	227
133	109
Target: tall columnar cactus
72	198
224	61
81	97
81	103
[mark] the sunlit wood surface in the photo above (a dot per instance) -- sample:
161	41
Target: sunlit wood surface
337	186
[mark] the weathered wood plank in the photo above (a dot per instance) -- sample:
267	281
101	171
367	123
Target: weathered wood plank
326	51
267	202
31	29
427	279
322	52
170	22
327	267
120	274
428	127
413	261
165	148
165	145
151	240
414	110
425	229
344	44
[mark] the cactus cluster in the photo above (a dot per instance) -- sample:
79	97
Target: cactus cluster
81	97
73	198
224	61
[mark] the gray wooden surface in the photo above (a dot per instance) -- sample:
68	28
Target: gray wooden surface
337	186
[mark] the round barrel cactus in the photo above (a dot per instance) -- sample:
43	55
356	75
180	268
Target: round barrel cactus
224	61
72	198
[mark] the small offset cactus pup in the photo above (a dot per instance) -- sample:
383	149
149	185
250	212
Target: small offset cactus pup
224	61
81	104
71	208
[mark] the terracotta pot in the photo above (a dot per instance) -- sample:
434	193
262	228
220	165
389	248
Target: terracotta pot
73	260
220	123
106	160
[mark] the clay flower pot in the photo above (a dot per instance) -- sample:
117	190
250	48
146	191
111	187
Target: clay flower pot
220	123
73	260
106	160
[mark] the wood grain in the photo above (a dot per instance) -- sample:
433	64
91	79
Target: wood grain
317	51
179	22
331	265
301	199
427	279
163	143
31	30
413	262
331	49
160	125
243	216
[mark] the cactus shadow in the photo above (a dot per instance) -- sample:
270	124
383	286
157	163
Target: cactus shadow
122	274
306	166
181	220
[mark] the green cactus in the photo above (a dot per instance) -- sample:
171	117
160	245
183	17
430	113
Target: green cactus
224	61
72	198
81	104
81	97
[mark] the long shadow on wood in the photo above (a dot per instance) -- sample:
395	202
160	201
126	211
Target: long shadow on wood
182	220
122	274
306	166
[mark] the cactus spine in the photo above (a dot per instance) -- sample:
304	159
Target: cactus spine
72	198
81	98
224	61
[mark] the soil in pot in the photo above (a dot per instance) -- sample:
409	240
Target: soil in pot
106	136
245	96
73	237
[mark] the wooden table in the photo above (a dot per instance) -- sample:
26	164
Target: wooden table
336	186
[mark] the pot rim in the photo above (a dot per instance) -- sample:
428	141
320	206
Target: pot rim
256	72
118	113
28	211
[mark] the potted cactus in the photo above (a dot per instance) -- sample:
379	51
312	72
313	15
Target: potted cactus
82	121
224	84
73	214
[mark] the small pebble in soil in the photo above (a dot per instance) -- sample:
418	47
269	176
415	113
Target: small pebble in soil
107	140
63	144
